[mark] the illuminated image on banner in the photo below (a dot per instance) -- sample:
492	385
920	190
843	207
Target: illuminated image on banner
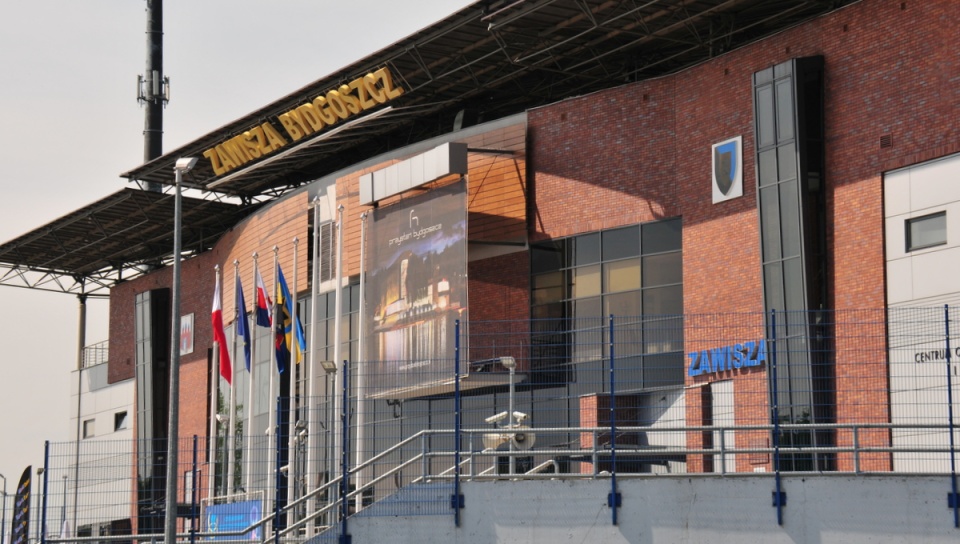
416	289
234	517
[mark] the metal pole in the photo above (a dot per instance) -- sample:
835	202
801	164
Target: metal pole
276	472
953	451
312	425
230	436
173	419
457	424
775	407
614	500
251	380
43	509
337	349
193	494
361	374
3	512
293	461
345	462
63	507
82	335
513	460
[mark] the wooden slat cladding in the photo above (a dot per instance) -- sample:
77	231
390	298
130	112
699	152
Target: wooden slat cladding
277	225
496	199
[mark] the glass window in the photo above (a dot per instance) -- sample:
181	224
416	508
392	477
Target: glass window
784	109
663	301
88	428
586	249
765	121
662	269
927	231
586	281
661	236
621	276
548	287
634	274
621	243
119	421
546	257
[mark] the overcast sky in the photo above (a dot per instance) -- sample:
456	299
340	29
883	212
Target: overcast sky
70	124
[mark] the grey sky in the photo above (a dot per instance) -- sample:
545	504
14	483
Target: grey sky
71	124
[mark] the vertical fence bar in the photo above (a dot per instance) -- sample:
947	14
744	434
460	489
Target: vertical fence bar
344	455
193	494
455	501
46	478
953	451
775	414
613	501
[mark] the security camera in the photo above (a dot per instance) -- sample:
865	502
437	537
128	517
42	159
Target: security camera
519	417
497	418
284	469
221	418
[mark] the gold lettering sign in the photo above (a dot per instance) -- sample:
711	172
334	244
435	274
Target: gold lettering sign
325	110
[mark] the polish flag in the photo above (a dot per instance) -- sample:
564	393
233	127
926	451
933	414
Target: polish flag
220	336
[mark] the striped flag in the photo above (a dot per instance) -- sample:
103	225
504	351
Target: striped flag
220	336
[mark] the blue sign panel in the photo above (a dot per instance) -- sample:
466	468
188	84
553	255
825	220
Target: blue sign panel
236	516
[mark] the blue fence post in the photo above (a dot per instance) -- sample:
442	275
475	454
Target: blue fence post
345	455
614	500
193	494
779	497
456	501
46	478
953	499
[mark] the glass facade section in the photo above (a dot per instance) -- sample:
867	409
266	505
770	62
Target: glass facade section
634	274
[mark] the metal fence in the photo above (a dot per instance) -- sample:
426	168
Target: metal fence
749	394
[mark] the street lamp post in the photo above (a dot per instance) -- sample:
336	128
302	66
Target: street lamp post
182	166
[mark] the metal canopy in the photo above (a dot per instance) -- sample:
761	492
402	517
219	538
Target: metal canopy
119	237
492	59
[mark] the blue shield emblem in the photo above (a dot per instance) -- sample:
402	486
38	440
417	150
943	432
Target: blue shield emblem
727	170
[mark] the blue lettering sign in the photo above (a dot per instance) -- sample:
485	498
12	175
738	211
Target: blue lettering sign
722	359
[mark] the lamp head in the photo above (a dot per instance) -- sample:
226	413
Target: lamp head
508	362
185	164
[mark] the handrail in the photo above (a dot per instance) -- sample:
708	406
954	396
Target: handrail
536	473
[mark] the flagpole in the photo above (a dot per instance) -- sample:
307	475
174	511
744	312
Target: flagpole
337	355
231	434
293	462
361	371
312	426
214	390
248	450
274	374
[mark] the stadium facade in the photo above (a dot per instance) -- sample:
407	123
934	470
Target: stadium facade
795	180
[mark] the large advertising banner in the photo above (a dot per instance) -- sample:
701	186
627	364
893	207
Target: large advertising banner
416	289
20	528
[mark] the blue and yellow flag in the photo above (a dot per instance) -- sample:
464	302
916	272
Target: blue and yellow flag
283	329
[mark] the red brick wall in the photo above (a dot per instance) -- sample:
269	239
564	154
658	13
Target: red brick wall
642	151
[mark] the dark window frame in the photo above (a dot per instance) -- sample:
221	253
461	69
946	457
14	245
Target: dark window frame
908	231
